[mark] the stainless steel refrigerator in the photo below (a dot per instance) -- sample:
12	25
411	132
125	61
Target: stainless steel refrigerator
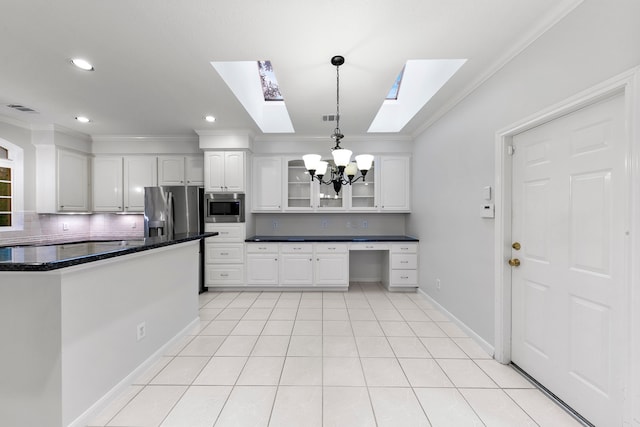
172	211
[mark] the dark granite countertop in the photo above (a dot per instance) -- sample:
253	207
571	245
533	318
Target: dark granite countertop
53	256
352	239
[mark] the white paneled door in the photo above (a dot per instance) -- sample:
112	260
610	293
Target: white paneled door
569	218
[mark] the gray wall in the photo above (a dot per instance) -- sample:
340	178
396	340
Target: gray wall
595	42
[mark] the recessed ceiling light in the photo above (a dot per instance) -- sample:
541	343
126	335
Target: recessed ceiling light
210	118
83	64
83	119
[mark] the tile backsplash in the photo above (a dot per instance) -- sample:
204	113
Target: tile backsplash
42	228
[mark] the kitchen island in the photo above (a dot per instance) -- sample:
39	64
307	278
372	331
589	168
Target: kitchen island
79	321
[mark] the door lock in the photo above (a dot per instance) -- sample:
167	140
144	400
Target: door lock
516	246
514	262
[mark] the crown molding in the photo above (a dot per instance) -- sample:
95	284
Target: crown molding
554	16
140	139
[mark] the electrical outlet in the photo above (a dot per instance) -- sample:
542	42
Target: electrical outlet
274	224
65	226
324	223
365	224
133	224
141	331
348	224
438	284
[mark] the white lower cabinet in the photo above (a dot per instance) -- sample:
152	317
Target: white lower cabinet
224	256
262	264
322	265
296	264
403	265
331	264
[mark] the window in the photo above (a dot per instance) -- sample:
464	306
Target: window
270	87
393	93
11	197
5	195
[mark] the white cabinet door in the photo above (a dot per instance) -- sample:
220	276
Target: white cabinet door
73	181
395	183
332	269
194	170
296	269
224	171
139	172
267	184
214	171
171	170
234	171
262	269
107	184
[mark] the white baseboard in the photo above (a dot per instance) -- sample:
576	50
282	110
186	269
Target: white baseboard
102	403
490	349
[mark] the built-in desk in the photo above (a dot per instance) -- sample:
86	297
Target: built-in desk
322	262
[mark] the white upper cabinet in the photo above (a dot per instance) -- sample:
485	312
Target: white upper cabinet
267	184
73	182
62	180
224	171
180	170
194	170
139	172
395	183
107	184
386	187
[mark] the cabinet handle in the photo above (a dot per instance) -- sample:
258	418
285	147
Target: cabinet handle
310	259
276	259
404	249
224	253
404	277
404	262
224	274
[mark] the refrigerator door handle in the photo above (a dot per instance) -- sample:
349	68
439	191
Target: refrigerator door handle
171	215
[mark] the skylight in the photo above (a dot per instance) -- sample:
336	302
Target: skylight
271	116
421	79
270	87
393	93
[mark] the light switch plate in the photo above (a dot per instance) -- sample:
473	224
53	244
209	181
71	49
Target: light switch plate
486	193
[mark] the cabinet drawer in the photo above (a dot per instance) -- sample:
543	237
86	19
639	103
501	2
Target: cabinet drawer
407	248
220	253
404	261
221	275
369	247
404	277
262	248
227	232
331	248
296	248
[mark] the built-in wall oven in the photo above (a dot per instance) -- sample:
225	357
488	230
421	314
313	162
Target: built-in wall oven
224	207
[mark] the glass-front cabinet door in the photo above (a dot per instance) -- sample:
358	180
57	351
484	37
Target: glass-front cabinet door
327	199
298	186
364	192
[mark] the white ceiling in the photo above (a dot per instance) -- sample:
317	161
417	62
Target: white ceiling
153	58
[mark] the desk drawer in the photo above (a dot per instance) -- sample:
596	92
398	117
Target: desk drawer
262	248
296	248
331	248
369	246
404	261
404	248
404	277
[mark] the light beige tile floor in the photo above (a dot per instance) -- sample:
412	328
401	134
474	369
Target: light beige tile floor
365	357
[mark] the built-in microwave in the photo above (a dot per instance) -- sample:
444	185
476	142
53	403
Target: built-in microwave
224	207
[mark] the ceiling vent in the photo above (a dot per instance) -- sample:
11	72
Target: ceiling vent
21	108
329	118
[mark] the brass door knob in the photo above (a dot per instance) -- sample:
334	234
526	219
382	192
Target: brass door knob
514	262
516	246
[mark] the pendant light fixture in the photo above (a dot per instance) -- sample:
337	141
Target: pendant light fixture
345	170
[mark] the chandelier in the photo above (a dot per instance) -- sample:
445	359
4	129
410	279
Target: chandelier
345	170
